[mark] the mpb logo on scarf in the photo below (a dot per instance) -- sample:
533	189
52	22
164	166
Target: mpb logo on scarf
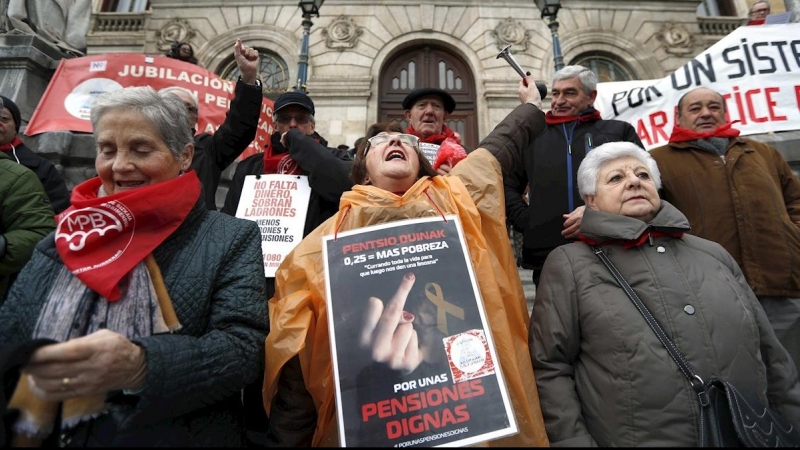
101	238
102	230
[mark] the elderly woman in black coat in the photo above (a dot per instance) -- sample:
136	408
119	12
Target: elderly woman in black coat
156	304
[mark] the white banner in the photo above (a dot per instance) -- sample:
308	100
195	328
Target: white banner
278	204
755	68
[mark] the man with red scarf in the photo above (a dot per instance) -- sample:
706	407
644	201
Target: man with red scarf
743	195
295	148
426	110
552	215
17	151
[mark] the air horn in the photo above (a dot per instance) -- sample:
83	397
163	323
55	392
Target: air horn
506	54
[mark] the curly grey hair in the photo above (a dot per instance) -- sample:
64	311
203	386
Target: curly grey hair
589	170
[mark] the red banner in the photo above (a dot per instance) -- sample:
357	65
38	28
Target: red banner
66	103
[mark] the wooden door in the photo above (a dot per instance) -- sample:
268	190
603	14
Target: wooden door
430	66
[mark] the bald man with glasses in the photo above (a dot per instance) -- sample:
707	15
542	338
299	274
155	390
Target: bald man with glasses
213	153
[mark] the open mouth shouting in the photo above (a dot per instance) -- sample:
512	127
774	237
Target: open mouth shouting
395	154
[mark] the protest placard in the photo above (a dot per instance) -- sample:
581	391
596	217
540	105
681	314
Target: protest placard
429	150
67	101
279	205
755	68
407	289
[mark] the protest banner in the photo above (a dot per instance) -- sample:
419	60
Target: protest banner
451	391
755	68
67	101
279	205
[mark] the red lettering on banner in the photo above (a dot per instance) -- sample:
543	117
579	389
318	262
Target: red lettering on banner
657	122
749	96
641	130
797	95
771	104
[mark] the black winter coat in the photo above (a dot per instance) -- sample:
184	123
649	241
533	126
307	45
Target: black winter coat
550	167
213	270
213	153
53	182
328	171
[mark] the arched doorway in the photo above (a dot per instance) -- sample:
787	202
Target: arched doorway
430	66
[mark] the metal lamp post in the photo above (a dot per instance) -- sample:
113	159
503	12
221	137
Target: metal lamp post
310	9
549	9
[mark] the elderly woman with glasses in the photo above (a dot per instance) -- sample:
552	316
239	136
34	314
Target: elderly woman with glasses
394	181
156	305
604	377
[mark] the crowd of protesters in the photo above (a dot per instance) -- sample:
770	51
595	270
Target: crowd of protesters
135	314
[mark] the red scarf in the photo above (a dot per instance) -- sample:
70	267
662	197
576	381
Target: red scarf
557	120
631	243
435	138
16	142
683	135
101	239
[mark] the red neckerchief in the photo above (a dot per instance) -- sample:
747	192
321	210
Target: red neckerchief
101	239
631	243
435	138
279	161
683	135
450	153
16	142
556	120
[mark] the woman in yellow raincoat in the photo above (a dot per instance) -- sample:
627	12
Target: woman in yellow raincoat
395	182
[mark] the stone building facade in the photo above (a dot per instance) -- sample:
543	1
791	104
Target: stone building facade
355	73
365	55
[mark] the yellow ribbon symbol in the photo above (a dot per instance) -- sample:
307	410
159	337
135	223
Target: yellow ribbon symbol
442	306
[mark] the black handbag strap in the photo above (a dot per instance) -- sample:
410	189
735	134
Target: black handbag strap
677	356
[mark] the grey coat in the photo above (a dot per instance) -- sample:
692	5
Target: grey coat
603	376
214	274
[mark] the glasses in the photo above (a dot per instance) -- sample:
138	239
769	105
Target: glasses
284	119
192	109
759	12
406	139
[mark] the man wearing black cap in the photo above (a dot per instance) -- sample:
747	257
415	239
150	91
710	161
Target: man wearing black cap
295	148
11	145
426	109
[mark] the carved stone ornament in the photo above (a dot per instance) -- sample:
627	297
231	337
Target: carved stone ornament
342	33
511	32
676	38
175	30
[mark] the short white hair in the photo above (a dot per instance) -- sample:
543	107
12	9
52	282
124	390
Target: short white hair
589	169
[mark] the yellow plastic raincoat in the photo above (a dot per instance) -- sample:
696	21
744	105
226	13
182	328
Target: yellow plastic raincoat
473	191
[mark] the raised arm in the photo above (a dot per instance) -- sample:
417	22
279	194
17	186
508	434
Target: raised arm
241	122
515	133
